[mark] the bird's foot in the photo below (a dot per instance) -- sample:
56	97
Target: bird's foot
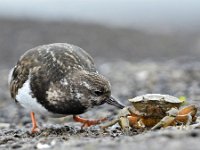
35	130
86	122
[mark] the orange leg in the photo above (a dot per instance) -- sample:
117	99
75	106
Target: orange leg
87	123
185	113
188	109
35	127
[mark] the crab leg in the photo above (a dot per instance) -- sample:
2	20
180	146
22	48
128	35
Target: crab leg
197	124
166	121
187	114
109	124
188	109
124	123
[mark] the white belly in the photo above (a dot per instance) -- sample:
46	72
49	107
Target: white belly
24	97
27	101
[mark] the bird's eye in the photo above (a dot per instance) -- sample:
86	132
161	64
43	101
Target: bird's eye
98	93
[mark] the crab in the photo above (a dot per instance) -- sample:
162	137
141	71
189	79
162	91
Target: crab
154	111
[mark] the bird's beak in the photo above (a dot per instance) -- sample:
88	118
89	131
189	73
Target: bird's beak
113	101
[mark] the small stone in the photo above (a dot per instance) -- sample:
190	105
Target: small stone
16	146
4	125
43	146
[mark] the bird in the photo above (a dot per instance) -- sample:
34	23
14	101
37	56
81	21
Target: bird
57	80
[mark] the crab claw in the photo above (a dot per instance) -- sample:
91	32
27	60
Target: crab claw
113	101
166	121
187	114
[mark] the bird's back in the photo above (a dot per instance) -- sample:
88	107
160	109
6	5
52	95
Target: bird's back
50	62
45	68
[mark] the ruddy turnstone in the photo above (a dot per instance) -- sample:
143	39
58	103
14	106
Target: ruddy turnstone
58	80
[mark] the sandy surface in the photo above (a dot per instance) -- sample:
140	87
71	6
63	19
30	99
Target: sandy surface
129	78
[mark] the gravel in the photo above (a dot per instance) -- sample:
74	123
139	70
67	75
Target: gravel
128	80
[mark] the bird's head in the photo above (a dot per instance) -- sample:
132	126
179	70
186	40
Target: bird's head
93	89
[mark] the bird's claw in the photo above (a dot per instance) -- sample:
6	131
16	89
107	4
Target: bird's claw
89	123
35	130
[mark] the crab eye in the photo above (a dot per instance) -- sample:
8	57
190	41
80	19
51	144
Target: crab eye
98	93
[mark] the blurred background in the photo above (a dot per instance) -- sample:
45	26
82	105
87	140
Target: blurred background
110	30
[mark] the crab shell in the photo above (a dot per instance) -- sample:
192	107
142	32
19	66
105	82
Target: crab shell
154	105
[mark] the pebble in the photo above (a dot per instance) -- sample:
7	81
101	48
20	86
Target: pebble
4	125
43	146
